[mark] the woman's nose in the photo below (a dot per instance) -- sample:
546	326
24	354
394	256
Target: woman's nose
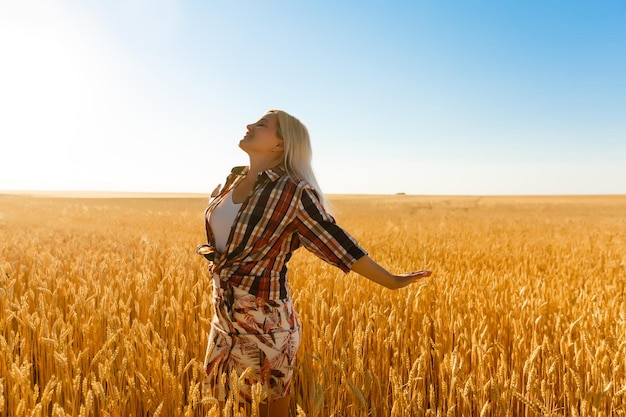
249	127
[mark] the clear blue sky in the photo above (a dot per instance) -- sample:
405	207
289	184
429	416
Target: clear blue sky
421	97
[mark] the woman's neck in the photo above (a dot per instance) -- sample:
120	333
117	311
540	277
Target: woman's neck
258	165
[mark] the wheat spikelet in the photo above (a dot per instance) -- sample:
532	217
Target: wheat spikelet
531	379
535	407
47	392
469	389
158	410
414	372
49	341
57	411
485	409
358	394
299	411
577	381
98	389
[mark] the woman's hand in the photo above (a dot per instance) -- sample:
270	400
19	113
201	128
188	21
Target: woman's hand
409	278
368	268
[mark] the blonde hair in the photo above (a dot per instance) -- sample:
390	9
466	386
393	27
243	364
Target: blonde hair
298	152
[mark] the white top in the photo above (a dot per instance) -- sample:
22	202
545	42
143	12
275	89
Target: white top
221	220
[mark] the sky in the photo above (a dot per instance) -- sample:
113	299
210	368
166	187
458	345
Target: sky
416	97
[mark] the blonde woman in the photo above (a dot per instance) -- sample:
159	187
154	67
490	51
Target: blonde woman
254	222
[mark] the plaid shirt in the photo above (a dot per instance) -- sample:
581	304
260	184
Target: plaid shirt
280	215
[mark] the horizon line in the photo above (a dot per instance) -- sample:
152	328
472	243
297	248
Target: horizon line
178	194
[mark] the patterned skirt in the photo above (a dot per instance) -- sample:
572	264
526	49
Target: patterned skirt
252	335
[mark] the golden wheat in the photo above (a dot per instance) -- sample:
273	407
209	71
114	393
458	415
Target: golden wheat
105	309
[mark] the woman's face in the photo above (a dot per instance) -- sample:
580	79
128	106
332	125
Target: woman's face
262	136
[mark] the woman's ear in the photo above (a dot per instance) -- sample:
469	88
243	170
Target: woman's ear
280	147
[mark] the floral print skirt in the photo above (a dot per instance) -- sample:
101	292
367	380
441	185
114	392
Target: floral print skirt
254	336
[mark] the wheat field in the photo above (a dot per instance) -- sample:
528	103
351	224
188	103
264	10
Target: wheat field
105	309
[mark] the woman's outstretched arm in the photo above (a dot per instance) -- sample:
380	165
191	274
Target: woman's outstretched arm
368	268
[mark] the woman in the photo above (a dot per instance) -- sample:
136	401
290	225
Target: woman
254	222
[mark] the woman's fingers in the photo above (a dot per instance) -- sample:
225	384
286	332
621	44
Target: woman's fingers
420	274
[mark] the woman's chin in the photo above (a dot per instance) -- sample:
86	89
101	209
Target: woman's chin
243	145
